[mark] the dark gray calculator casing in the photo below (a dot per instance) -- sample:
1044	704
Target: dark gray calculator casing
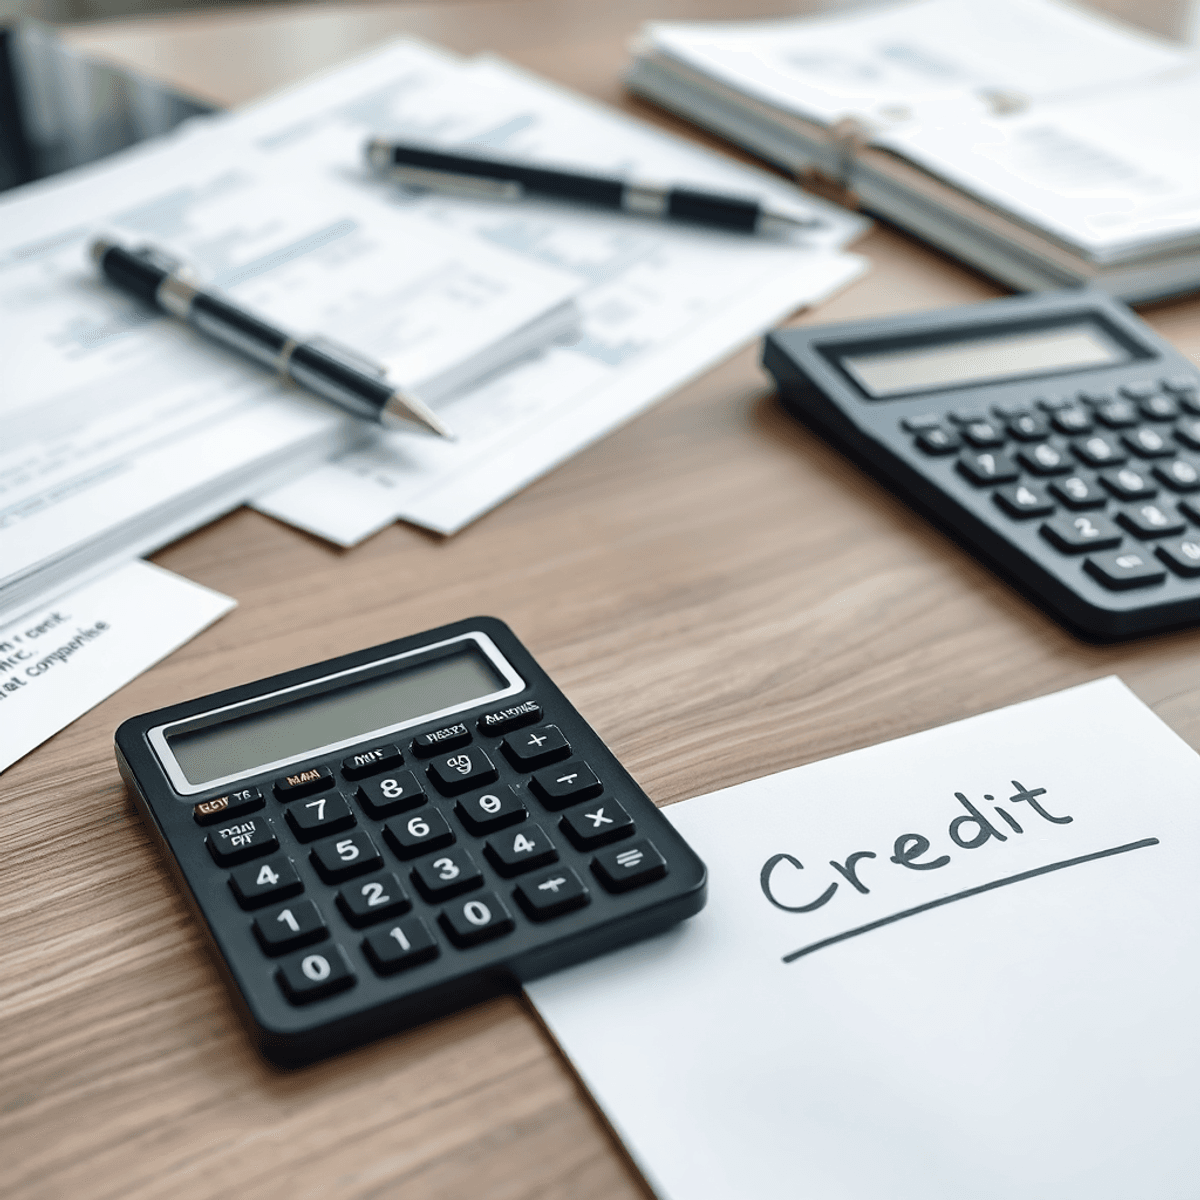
815	386
376	1004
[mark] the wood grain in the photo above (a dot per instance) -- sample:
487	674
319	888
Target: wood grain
721	594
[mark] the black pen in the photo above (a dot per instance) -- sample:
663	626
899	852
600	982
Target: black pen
317	364
424	166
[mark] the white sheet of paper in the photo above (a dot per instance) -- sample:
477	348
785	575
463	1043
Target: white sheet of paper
58	662
1035	1037
661	303
1103	173
893	62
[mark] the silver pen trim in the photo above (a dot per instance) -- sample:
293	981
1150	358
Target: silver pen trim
176	295
646	199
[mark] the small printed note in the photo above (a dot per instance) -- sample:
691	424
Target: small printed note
60	661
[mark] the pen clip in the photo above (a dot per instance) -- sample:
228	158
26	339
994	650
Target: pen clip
472	186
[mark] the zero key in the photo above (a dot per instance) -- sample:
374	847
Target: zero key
1124	569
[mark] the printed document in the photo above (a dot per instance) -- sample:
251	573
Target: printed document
961	964
660	302
121	428
60	661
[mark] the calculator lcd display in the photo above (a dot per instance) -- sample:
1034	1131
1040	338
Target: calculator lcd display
985	359
346	713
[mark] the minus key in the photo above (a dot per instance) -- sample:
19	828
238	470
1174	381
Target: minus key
565	784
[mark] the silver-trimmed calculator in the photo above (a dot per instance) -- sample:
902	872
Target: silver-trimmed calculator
377	839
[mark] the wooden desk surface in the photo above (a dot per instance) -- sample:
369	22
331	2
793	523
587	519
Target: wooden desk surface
719	592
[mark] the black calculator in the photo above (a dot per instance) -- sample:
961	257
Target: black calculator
375	840
1056	436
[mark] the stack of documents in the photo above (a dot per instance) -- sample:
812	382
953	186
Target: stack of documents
125	429
1044	144
531	329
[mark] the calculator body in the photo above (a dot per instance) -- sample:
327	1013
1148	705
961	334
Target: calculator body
1055	436
378	839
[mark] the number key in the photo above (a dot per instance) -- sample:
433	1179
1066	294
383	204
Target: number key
1188	432
479	919
1026	427
1079	493
462	772
315	974
424	831
446	874
521	850
1151	521
1148	443
1075	534
1099	451
403	945
490	810
323	815
1128	484
397	792
1124	569
1182	555
299	924
1022	501
344	857
938	441
1073	420
987	468
260	883
982	434
366	901
1179	475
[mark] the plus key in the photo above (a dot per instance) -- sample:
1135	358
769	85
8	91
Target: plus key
536	747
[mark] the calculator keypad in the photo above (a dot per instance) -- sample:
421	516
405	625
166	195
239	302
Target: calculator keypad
381	883
1107	474
405	868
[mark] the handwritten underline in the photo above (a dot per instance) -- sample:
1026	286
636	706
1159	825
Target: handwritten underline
975	891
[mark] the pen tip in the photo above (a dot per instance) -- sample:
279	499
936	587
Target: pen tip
779	224
404	411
